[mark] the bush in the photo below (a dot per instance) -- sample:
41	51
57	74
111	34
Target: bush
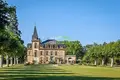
27	63
52	62
79	63
31	63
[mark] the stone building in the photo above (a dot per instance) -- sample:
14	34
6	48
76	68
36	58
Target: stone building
46	52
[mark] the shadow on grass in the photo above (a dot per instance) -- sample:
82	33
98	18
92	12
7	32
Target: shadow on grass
34	70
59	78
17	73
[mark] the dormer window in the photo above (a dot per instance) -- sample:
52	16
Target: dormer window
58	46
49	45
43	46
53	46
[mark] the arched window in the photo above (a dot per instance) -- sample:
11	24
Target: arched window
35	45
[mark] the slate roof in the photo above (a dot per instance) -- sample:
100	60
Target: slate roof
29	45
50	41
35	35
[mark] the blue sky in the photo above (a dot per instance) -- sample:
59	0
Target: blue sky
85	20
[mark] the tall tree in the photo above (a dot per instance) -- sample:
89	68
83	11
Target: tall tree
10	39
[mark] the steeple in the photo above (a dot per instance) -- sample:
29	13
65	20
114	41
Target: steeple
35	35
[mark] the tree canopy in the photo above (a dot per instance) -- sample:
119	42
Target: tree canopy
10	39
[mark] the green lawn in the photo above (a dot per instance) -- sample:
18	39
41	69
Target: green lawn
64	72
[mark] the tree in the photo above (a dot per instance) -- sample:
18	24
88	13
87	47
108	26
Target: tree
4	20
114	51
73	48
10	39
86	58
4	38
111	52
102	53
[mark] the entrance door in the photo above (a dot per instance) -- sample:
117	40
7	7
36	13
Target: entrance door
36	60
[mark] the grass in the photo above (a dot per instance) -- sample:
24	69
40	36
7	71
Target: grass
64	72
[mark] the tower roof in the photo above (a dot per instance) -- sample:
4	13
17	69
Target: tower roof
35	35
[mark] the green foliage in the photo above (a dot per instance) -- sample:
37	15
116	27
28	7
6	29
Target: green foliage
73	48
102	52
10	40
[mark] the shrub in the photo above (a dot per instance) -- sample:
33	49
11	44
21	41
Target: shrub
27	63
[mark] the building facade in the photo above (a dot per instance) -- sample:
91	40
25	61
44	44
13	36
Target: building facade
46	52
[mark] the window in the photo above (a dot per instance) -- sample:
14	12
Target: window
51	52
35	53
43	46
29	53
29	46
46	58
49	45
46	52
35	45
53	46
55	52
41	59
58	46
41	53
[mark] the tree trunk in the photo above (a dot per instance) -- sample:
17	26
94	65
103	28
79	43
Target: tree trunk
7	60
112	62
11	61
103	61
14	60
95	63
1	61
17	60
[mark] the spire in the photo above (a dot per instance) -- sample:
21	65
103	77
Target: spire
35	35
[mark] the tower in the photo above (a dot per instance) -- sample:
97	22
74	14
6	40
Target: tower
35	46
